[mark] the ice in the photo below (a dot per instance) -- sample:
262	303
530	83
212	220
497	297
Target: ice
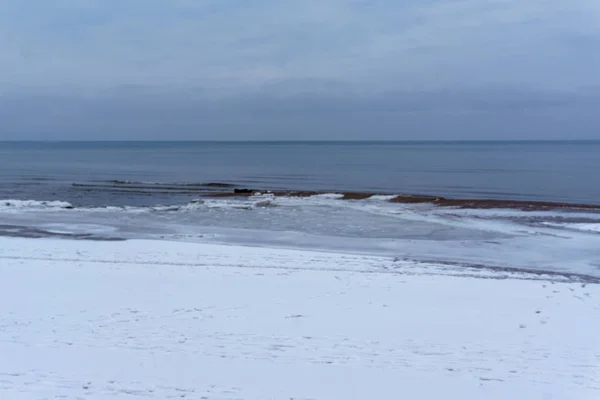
161	319
382	197
78	228
558	241
9	205
585	227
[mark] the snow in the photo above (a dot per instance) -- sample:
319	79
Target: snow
160	320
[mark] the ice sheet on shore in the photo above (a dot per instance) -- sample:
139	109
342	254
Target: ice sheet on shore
561	240
160	319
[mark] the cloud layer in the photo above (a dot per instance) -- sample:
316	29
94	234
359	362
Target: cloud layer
291	66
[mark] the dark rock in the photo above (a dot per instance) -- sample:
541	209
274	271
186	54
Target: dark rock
243	191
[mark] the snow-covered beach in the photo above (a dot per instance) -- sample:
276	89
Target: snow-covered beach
299	200
162	319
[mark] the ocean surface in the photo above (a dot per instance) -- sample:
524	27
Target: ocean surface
166	191
546	171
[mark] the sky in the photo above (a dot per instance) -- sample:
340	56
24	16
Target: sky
299	69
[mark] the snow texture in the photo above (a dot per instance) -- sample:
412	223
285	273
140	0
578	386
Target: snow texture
172	320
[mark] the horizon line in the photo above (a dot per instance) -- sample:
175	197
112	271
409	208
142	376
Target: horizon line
290	140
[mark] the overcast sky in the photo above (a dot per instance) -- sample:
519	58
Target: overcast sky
299	69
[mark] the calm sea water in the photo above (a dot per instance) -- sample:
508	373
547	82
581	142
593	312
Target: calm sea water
85	173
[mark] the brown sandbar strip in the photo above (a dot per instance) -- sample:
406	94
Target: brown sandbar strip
418	199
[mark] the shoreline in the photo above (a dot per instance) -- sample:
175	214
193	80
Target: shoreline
524	205
187	190
226	189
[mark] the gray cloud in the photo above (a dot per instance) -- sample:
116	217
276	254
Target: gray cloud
208	69
146	114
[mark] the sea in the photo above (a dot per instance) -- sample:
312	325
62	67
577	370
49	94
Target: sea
235	193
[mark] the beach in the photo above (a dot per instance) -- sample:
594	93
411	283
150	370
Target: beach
299	200
162	319
350	271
